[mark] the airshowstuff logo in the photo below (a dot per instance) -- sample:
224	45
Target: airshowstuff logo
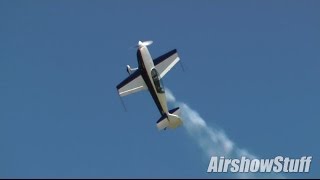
245	165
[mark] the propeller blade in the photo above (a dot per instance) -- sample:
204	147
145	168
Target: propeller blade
147	43
140	44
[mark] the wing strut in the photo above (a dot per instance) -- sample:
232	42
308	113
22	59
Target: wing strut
180	62
123	105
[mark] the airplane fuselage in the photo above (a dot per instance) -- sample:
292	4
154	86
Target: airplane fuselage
152	79
148	76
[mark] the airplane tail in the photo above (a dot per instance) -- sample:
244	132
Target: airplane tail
171	119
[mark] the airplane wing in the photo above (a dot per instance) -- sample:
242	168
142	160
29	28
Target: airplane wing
165	62
132	84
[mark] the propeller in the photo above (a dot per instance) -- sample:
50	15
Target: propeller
141	44
144	43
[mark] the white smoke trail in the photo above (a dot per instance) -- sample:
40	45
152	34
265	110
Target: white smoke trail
212	140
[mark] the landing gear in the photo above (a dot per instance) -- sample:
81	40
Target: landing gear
131	70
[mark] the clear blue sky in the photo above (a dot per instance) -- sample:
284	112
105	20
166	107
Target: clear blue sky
252	67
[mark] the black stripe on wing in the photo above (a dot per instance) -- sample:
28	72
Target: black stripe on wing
129	79
159	59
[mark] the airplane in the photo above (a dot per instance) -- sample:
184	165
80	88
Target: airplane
148	76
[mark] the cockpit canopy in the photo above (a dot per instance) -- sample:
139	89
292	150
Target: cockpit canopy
157	81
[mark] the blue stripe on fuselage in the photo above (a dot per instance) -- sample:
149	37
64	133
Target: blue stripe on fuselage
147	80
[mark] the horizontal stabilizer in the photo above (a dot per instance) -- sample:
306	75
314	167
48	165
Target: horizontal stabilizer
171	120
163	122
175	111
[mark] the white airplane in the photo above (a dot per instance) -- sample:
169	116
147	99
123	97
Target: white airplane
148	76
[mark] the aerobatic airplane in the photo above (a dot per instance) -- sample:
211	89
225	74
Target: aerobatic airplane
148	76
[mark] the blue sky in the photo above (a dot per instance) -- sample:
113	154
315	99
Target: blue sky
251	67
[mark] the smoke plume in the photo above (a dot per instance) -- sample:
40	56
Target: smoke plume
212	140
